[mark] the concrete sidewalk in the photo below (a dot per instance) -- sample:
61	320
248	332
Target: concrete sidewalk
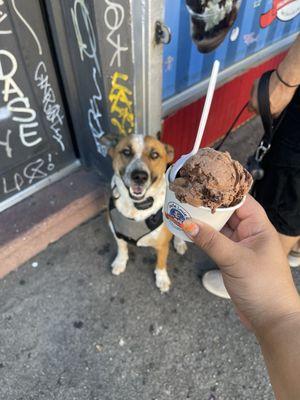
70	330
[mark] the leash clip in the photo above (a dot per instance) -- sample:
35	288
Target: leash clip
261	151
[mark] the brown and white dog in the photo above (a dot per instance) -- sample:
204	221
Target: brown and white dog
138	193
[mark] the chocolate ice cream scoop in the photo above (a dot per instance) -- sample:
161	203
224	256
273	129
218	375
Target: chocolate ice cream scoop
211	179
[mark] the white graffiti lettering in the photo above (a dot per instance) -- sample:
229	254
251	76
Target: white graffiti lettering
11	71
19	101
114	18
34	35
25	135
51	108
33	171
10	87
19	106
88	49
94	117
51	165
6	145
3	16
18	183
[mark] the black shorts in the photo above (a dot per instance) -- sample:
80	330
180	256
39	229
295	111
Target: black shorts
279	191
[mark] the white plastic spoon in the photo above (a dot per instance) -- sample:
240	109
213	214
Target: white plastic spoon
210	92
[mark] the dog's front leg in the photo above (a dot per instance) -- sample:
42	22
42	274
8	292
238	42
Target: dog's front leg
162	278
120	262
180	246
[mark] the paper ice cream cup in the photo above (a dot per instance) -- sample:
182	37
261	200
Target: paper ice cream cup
175	213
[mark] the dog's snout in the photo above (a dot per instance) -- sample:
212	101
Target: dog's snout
139	177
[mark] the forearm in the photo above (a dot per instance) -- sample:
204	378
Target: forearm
281	350
289	68
289	71
280	93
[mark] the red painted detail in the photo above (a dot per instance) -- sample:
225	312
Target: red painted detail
172	219
180	128
267	18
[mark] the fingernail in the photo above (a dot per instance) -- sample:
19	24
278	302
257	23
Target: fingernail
190	228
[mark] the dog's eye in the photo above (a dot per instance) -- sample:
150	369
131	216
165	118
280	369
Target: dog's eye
126	152
154	155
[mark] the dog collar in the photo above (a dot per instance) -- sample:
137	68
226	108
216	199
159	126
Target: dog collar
144	205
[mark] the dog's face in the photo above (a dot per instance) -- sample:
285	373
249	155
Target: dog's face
141	163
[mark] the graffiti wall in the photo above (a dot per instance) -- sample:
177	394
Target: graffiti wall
34	135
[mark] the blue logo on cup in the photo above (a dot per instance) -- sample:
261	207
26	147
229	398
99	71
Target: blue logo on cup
176	214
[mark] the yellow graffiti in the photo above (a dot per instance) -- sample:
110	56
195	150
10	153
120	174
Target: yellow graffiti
121	104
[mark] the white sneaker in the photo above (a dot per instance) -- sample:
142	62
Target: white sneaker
294	258
213	283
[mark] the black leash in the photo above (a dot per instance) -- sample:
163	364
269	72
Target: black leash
231	127
270	124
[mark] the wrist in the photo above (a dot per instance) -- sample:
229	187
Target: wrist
281	350
273	329
280	94
289	77
277	85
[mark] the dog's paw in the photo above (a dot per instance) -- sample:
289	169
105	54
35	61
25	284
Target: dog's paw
162	280
118	267
180	246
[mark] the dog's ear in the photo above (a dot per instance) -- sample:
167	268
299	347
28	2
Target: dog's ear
111	152
170	153
113	141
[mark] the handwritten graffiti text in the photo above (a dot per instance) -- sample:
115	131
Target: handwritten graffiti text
51	109
86	41
120	98
114	18
34	171
19	105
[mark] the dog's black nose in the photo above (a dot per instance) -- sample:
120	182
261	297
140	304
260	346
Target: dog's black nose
139	177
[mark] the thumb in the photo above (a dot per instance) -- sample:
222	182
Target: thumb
222	250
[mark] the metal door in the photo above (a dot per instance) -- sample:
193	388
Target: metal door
35	142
